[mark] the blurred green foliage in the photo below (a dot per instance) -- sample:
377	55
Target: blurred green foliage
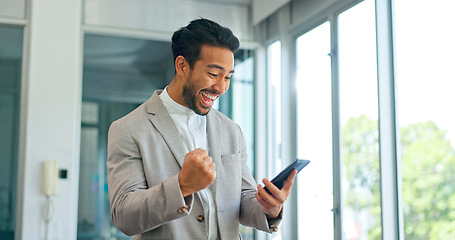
428	178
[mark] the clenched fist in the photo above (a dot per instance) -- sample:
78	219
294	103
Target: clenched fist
197	173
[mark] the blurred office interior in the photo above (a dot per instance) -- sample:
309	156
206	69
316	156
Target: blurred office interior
362	88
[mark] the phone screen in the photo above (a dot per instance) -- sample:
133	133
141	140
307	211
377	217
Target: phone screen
279	180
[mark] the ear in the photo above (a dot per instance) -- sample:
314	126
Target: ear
181	65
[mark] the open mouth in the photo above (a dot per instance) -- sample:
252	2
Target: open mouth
208	98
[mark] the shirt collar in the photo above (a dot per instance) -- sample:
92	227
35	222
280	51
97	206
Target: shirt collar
173	107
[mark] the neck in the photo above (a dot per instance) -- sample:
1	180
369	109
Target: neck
175	91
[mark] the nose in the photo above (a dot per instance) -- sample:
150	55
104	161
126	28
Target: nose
221	86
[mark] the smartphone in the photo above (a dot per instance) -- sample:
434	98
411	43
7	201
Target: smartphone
279	180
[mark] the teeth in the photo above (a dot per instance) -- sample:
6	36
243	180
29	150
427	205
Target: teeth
209	96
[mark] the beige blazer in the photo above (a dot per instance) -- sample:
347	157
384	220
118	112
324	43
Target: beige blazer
144	160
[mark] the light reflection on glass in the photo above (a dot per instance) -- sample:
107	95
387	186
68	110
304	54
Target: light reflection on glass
425	50
361	199
314	123
274	114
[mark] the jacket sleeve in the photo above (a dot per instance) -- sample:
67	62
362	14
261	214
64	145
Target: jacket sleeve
136	207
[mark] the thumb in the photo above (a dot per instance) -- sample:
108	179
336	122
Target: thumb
290	181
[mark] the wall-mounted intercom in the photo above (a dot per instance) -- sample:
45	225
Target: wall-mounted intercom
50	178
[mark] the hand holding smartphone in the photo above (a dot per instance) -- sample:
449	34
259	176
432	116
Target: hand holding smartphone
279	180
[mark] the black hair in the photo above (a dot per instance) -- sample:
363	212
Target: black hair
187	41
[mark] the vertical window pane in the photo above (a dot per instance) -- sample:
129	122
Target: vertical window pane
10	78
89	216
425	87
274	103
314	136
361	200
274	113
94	217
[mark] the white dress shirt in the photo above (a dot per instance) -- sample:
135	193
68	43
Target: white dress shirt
192	128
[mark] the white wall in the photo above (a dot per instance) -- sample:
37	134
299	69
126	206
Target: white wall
50	115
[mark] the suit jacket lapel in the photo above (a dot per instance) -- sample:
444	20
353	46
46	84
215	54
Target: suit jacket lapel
213	135
214	141
162	121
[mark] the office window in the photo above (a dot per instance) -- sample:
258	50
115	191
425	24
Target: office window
94	215
425	50
314	137
358	102
274	107
274	162
10	79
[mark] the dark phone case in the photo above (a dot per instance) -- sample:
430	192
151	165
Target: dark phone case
279	180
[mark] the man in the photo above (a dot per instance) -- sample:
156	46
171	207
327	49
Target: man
176	167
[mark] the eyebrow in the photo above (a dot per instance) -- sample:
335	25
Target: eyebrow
219	67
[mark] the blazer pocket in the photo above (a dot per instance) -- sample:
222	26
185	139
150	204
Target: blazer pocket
229	176
232	164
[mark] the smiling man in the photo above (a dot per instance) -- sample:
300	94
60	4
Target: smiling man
176	167
198	86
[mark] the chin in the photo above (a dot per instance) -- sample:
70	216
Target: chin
204	111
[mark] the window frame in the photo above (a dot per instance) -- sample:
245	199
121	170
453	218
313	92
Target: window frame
392	225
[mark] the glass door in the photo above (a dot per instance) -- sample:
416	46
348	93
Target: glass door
11	39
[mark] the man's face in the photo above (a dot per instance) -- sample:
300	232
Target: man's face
209	78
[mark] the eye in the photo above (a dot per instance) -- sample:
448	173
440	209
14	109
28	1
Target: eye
213	75
227	78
